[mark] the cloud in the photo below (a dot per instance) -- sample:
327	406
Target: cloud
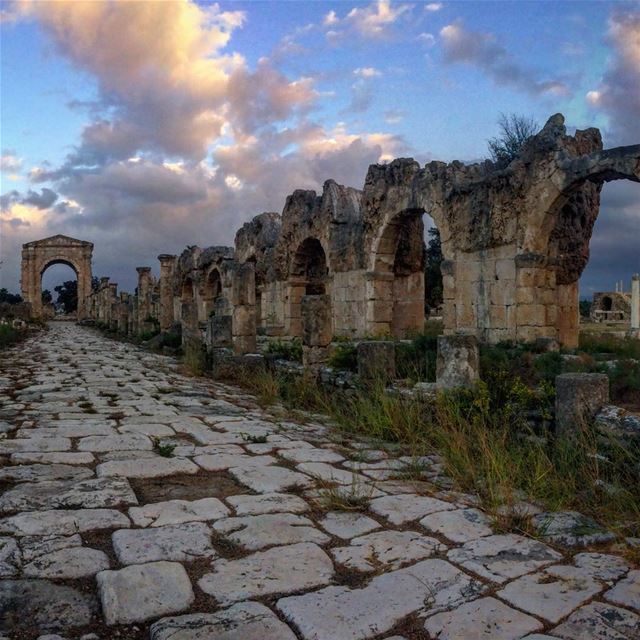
375	21
9	161
481	50
361	97
393	116
433	6
43	200
618	95
367	72
427	38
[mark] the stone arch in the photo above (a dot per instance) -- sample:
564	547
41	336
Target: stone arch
309	275
607	303
39	255
395	280
189	309
212	292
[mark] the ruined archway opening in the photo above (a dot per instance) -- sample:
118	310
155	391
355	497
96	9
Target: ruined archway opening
59	290
310	267
260	282
212	292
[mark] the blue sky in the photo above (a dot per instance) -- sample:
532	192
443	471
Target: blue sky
147	126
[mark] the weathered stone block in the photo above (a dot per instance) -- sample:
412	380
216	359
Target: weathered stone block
376	359
219	331
579	397
458	362
316	320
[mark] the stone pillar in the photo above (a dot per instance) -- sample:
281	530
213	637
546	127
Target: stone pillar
315	312
243	301
635	303
579	397
144	298
111	302
379	302
536	298
376	360
295	289
167	269
219	331
458	361
123	313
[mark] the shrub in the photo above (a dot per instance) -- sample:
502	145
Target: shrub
285	349
195	359
172	340
344	356
8	335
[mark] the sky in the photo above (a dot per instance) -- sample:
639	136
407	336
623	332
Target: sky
146	126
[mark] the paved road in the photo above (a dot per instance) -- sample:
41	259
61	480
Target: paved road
107	530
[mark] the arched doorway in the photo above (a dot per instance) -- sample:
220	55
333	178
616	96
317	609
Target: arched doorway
39	255
59	282
189	310
212	299
308	276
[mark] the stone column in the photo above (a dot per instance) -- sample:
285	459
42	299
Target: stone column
243	301
110	303
144	297
579	396
167	269
635	302
315	313
379	302
458	361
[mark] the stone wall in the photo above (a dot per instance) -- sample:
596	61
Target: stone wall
515	240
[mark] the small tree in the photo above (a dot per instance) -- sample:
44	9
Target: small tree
67	296
515	130
432	274
10	298
46	297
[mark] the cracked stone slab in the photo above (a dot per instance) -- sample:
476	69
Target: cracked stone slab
485	618
250	505
176	542
626	592
347	524
599	621
331	474
551	596
62	457
29	605
142	591
224	461
269	479
71	429
69	494
265	530
119	442
403	508
44	472
158	514
72	562
35	546
278	570
599	566
386	550
148	429
503	557
10	558
341	613
243	621
34	445
62	522
310	454
570	528
146	468
459	525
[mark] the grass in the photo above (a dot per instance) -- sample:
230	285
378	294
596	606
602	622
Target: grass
195	359
163	449
285	349
487	445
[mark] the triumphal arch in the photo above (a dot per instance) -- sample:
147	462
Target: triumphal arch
39	255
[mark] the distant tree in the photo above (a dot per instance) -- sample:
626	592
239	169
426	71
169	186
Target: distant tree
515	130
46	297
95	283
585	308
11	298
67	296
432	274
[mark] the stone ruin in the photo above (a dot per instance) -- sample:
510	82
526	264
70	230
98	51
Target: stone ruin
611	306
350	262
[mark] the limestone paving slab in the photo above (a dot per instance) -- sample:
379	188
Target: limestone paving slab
460	525
269	479
310	454
331	474
341	613
142	591
147	468
63	457
503	557
551	596
626	592
267	503
347	524
486	618
118	442
265	530
34	445
10	557
69	494
44	472
601	566
35	546
404	508
223	461
386	550
243	621
279	570
72	562
176	542
599	621
158	514
571	529
62	522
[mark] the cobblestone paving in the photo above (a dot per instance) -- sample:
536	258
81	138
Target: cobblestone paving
102	536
